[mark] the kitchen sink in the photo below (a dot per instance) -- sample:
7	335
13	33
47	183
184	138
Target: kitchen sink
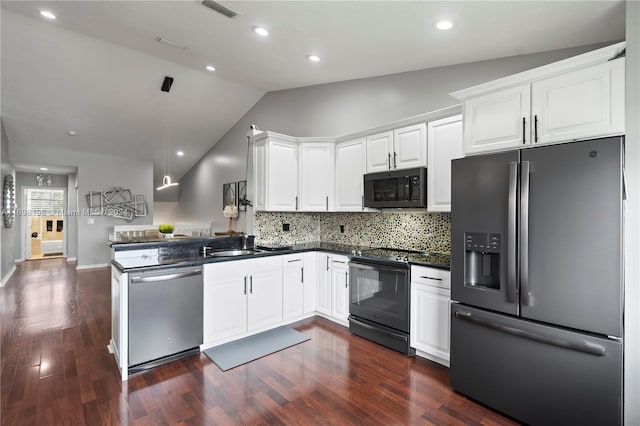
231	253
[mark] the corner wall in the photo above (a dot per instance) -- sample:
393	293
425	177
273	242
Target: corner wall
10	237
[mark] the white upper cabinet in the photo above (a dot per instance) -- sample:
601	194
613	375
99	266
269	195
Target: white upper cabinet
260	176
379	149
275	173
401	148
444	143
497	121
349	175
316	176
584	103
576	98
410	147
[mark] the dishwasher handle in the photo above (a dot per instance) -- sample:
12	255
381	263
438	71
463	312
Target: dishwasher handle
156	278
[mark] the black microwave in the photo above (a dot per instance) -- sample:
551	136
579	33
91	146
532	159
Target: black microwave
397	188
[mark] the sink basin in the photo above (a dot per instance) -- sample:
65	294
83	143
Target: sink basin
229	253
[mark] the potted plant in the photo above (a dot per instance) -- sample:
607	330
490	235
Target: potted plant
166	230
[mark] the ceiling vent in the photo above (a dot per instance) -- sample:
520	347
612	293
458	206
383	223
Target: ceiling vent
170	43
223	10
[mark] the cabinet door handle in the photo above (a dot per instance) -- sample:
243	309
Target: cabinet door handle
346	279
389	160
245	284
296	202
327	263
394	159
524	134
535	128
327	202
302	275
251	284
430	278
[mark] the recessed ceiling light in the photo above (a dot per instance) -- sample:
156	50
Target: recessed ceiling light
261	31
44	169
313	58
444	25
47	14
179	153
71	133
210	68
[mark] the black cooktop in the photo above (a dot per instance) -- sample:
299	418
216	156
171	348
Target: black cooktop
404	256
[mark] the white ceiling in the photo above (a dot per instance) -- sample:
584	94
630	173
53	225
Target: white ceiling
97	69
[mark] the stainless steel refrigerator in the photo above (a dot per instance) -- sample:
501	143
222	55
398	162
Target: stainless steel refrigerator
537	293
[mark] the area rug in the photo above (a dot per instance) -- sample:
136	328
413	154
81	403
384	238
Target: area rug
247	349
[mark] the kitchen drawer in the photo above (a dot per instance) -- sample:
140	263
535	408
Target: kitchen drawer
431	276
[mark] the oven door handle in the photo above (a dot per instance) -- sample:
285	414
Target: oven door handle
376	267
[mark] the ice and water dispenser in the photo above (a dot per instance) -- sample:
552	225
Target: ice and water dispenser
482	260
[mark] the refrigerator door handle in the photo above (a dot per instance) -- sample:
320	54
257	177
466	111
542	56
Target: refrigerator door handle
577	345
512	277
524	233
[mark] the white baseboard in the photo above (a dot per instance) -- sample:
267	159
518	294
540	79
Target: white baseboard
96	266
8	275
72	259
19	260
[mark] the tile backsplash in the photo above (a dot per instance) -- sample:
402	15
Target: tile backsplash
411	231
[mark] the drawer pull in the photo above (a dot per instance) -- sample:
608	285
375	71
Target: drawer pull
430	278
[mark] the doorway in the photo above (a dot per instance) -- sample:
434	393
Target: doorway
44	223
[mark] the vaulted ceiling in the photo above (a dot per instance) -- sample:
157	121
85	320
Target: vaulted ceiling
97	69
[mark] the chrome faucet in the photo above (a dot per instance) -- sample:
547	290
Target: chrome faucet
245	241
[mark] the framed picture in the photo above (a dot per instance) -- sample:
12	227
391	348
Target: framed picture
242	195
229	194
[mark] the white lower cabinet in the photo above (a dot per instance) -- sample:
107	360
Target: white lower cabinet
309	282
292	285
430	313
323	283
298	284
241	296
340	287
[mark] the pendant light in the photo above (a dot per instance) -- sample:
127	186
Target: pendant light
166	165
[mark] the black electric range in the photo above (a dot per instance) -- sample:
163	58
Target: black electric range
403	258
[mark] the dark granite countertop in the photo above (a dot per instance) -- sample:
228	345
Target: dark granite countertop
190	256
141	242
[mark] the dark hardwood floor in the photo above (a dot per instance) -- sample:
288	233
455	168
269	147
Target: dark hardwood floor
56	370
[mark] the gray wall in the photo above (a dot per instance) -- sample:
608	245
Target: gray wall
632	218
72	221
97	173
9	237
337	109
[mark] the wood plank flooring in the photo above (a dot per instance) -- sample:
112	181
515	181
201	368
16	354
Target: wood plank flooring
56	370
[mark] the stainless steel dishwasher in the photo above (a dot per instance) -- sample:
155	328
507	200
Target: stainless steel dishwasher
165	315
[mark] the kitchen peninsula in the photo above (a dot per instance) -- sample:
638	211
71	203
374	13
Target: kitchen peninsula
287	284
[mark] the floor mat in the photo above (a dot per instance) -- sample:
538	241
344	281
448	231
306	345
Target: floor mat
250	348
